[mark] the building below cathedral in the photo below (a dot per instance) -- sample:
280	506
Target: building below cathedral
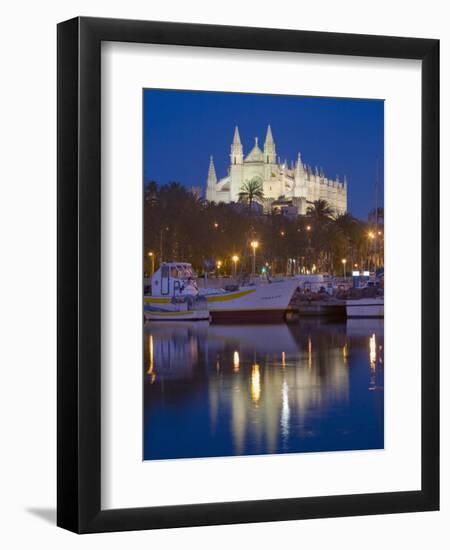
287	188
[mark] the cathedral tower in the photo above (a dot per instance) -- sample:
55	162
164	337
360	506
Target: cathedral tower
211	182
236	155
299	178
270	156
236	166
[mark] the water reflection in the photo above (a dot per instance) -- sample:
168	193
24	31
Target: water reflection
219	390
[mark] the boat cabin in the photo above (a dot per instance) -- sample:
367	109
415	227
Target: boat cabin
174	279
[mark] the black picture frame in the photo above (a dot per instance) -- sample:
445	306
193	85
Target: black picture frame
79	275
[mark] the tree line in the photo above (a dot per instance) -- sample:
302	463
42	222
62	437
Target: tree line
180	225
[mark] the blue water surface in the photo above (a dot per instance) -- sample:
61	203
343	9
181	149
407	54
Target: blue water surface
225	390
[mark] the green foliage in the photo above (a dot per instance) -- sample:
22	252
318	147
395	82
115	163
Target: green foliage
251	191
320	211
180	226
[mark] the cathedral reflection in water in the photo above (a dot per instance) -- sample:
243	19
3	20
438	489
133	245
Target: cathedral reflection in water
221	390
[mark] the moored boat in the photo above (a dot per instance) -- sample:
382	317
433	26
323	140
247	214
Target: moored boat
365	307
176	314
259	302
183	303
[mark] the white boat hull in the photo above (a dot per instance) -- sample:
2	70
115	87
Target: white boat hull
365	307
178	311
260	302
177	316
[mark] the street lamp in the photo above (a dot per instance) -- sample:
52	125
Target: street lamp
152	259
218	266
372	249
344	261
308	259
254	245
235	260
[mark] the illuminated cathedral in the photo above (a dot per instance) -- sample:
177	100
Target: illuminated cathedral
295	185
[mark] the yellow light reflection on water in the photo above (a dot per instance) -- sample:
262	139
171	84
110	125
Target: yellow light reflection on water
373	362
372	352
256	383
150	370
236	361
285	411
309	352
345	351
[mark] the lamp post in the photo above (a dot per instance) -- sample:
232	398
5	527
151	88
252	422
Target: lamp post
254	245
152	259
371	236
308	259
344	261
219	265
235	260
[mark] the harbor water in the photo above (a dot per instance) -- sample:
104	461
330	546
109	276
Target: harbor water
225	390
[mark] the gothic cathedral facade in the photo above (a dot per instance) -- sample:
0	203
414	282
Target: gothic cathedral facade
295	185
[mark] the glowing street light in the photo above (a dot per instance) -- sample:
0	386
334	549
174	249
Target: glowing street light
235	260
308	228
344	261
254	245
216	225
152	258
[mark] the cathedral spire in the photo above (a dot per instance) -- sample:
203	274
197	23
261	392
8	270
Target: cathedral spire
236	154
211	182
298	166
212	177
269	137
269	147
236	137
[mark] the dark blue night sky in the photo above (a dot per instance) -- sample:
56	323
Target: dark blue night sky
343	136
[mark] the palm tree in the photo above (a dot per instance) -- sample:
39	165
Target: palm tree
251	191
348	225
321	215
346	237
320	211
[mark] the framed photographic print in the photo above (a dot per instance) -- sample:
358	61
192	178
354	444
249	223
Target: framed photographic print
248	256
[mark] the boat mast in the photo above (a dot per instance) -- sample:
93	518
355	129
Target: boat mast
376	217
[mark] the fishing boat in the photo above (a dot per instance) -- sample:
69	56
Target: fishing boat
261	301
183	303
177	311
365	307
